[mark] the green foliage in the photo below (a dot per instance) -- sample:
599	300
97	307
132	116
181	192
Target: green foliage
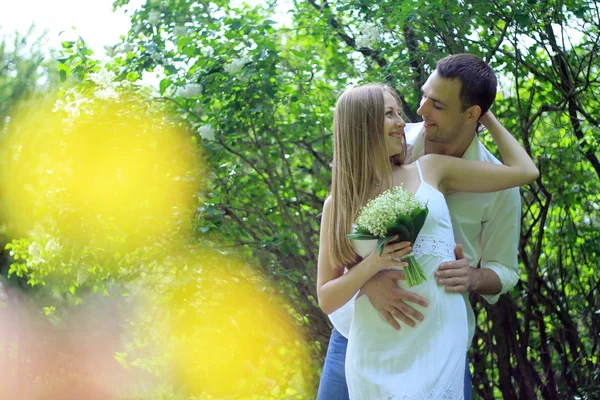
20	60
260	95
273	121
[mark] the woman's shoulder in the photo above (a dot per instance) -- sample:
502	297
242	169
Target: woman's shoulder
327	204
434	161
398	171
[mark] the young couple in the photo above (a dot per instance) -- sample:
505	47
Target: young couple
390	341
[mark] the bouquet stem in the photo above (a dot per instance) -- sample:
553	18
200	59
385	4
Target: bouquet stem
414	274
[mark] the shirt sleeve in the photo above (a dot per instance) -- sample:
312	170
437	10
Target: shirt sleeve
500	240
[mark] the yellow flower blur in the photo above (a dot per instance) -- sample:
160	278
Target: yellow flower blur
113	174
231	336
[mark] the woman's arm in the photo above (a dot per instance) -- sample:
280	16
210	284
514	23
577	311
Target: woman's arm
334	287
456	174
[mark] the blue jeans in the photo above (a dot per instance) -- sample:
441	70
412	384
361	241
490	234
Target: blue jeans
333	378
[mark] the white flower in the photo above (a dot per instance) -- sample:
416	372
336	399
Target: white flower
35	254
369	34
73	106
123	48
362	41
154	17
157	57
208	51
103	77
58	105
180	31
206	132
110	51
236	65
385	208
188	91
53	246
107	94
105	80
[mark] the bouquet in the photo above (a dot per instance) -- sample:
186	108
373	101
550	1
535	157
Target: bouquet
394	212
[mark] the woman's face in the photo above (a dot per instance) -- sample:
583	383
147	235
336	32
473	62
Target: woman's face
393	126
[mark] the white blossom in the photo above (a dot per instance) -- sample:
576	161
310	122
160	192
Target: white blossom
154	17
123	48
236	65
107	93
208	51
157	57
180	30
106	84
362	41
378	213
52	246
188	91
103	77
110	51
35	254
207	132
369	34
73	106
59	105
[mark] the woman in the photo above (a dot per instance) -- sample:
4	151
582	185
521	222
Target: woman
369	149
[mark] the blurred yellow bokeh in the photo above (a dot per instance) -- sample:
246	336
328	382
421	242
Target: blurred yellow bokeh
231	336
112	174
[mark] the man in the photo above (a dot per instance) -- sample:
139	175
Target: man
486	225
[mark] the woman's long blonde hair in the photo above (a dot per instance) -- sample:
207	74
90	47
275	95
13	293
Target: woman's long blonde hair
360	162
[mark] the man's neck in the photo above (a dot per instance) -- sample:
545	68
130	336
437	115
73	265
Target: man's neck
455	149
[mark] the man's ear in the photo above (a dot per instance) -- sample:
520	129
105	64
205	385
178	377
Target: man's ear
473	114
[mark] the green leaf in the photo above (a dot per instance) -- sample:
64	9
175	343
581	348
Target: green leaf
418	218
522	19
401	227
361	236
133	76
63	75
164	84
382	242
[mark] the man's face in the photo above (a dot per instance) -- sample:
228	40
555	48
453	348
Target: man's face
441	110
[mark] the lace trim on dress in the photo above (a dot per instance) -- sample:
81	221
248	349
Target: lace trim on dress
431	245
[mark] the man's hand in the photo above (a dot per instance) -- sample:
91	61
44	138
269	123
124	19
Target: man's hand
456	275
385	295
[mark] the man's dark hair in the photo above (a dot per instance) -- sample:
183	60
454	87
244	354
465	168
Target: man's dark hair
478	80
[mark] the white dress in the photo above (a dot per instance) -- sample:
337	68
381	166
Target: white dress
422	362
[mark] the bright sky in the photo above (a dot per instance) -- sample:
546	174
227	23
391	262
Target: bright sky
93	20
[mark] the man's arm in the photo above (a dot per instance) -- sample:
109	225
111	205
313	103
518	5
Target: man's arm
500	241
499	266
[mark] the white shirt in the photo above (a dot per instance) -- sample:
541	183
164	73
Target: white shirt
487	225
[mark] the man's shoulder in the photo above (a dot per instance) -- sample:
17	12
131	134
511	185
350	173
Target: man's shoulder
412	132
483	154
511	195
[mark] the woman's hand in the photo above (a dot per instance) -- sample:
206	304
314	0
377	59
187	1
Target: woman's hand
390	257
